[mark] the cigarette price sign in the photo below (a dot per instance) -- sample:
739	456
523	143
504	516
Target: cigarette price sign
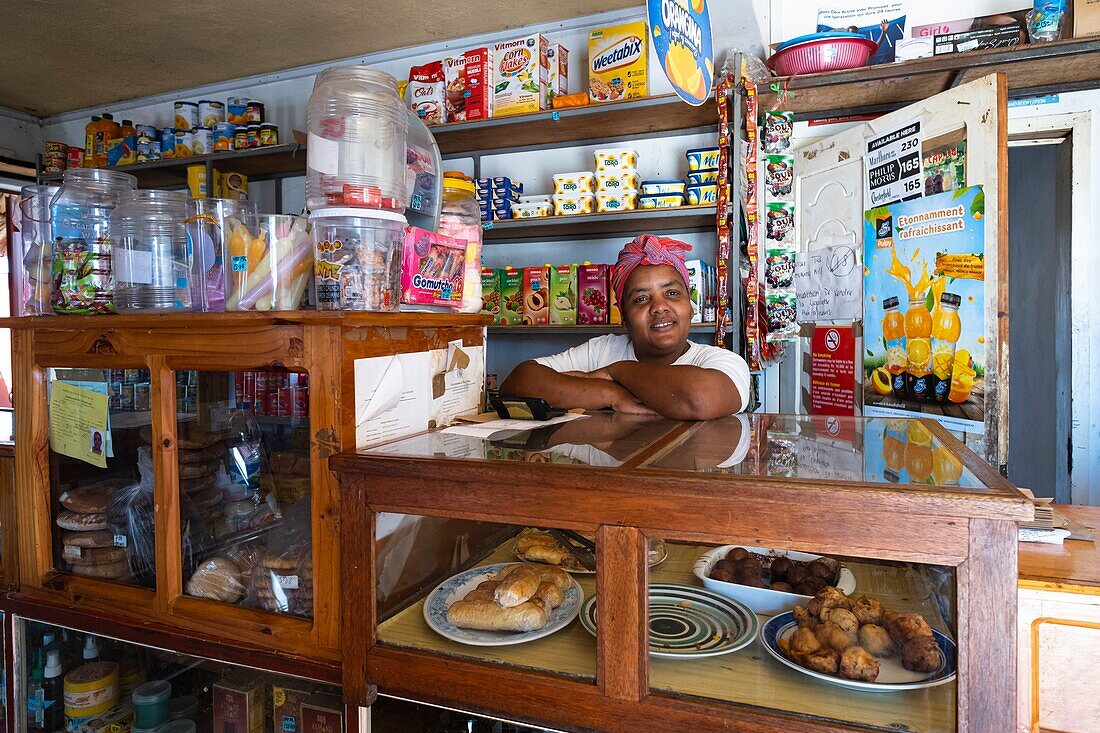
895	169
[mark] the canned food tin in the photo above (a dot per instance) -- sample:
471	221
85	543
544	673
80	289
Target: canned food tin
240	137
55	156
223	136
148	133
253	136
269	134
187	115
145	150
202	139
255	111
168	143
211	112
75	158
236	110
184	138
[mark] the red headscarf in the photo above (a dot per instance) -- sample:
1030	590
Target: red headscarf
649	249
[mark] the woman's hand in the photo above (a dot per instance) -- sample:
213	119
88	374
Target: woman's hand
621	399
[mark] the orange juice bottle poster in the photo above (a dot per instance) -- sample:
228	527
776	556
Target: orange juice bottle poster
924	319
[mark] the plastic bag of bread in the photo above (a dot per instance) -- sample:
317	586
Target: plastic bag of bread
282	580
217	578
130	514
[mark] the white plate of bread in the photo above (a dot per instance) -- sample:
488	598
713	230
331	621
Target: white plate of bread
502	604
535	546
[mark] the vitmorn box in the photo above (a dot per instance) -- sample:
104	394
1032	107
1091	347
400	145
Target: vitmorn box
239	703
557	73
519	76
536	296
479	83
563	295
697	288
593	287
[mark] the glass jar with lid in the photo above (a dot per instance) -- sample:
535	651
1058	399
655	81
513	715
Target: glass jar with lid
358	130
460	218
80	223
31	265
152	269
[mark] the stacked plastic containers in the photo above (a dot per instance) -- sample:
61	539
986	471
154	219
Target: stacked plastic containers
31	264
357	188
149	254
461	218
209	223
80	223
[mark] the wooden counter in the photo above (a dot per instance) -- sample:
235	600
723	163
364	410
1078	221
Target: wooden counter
1067	566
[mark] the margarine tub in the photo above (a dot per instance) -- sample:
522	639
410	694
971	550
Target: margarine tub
571	204
702	178
703	195
662	201
701	159
535	198
616	159
616	201
658	187
574	183
616	181
531	211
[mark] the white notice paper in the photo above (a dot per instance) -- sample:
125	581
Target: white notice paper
829	284
489	429
393	397
458	379
894	166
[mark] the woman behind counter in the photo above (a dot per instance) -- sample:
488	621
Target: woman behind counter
653	368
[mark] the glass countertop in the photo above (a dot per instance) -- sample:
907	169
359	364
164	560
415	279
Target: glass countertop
886	451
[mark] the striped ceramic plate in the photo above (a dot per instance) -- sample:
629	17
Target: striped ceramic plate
685	621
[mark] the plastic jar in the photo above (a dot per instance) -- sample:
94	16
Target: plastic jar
178	726
357	257
152	271
270	259
32	264
209	222
358	129
151	703
80	223
461	218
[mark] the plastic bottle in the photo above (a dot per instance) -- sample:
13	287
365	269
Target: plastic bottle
946	329
894	440
91	140
91	648
893	333
918	348
461	218
53	713
103	131
128	133
918	453
36	694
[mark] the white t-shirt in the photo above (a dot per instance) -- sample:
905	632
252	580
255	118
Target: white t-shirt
606	350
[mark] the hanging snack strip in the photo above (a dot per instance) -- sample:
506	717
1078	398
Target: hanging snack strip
753	340
779	245
722	255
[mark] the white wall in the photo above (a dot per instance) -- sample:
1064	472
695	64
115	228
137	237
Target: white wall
20	135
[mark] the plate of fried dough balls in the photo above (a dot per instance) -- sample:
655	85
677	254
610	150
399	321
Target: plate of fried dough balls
860	644
770	581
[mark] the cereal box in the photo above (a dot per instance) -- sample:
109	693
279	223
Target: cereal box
563	295
536	297
696	288
617	58
592	284
520	75
511	297
427	92
557	73
239	703
454	75
479	83
490	293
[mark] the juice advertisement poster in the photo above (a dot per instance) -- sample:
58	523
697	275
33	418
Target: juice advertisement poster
924	309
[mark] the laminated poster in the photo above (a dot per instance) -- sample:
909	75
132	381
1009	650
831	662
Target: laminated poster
881	22
924	309
78	423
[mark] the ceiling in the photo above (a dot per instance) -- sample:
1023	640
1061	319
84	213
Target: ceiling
61	55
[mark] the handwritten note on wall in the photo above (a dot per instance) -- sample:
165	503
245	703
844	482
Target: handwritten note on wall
829	284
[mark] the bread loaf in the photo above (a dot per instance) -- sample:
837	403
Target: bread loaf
551	595
92	555
81	522
218	578
194	470
557	576
110	571
95	538
489	616
91	499
517	587
202	455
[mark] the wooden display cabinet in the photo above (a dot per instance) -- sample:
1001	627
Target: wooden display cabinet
318	344
820	485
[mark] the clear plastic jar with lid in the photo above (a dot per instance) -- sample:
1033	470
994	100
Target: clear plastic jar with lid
31	266
152	269
460	218
358	129
80	220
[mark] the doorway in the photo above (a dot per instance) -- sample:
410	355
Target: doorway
1040	173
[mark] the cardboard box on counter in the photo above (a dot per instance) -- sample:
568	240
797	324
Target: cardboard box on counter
239	702
322	713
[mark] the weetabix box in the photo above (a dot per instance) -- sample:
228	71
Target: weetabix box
322	713
479	83
617	62
239	703
519	75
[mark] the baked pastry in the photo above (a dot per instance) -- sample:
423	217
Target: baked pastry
876	640
108	571
921	654
217	578
517	587
488	616
857	664
194	470
188	440
80	522
846	620
868	610
91	499
202	455
93	538
904	627
92	555
557	576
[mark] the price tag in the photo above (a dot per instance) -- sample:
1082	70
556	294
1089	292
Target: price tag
287	582
555	116
71	553
120	540
894	165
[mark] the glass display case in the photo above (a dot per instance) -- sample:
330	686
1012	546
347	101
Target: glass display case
766	569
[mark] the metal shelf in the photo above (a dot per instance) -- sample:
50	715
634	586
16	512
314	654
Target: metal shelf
592	225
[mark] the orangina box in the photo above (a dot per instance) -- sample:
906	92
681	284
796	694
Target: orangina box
617	58
520	75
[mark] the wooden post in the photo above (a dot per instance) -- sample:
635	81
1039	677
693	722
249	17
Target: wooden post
359	609
622	618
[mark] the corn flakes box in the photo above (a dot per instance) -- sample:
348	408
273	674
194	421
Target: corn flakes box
617	62
519	76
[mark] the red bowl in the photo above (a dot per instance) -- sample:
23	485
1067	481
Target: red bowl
827	54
